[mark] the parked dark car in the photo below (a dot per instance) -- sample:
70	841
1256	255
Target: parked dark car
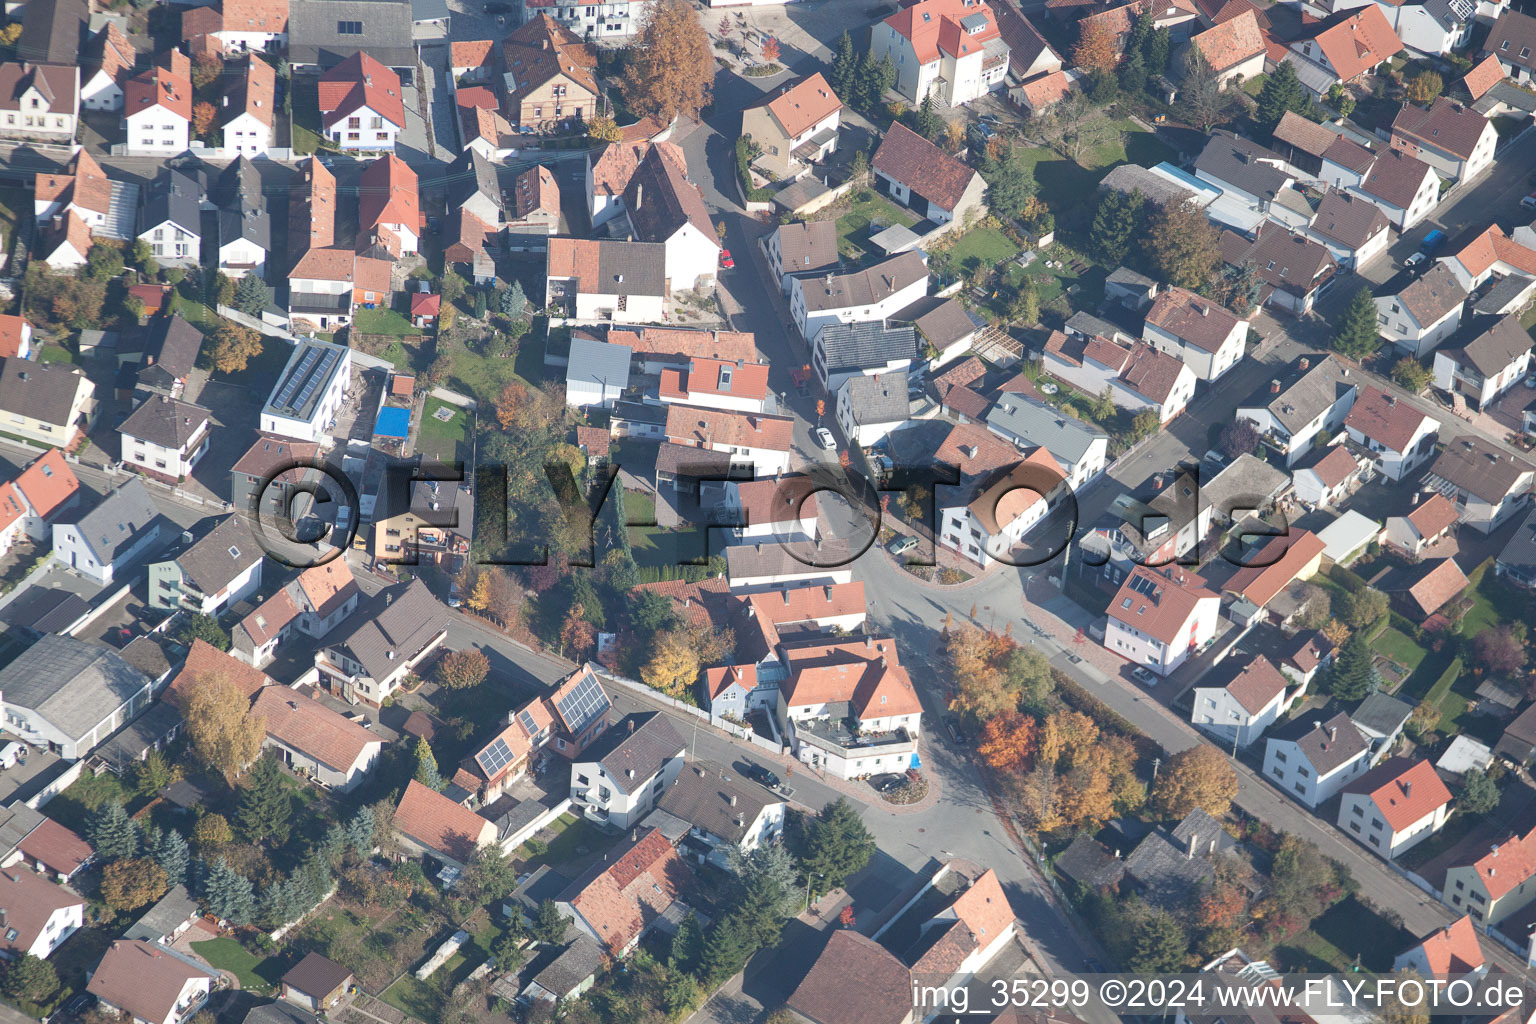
759	774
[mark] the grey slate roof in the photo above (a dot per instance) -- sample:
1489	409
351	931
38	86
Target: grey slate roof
172	909
1067	439
44	610
881	398
634	749
1239	162
1520	553
399	621
242	207
313	36
1127	276
575	964
151	654
1323	751
16	823
173	196
470	175
42	391
429	10
1166	869
1474	465
1246	483
165	421
1128	178
1204	830
702	796
51	32
1504	292
1493	346
117	521
600	363
129	744
169	347
1088	863
864	287
865	346
220	555
72	684
1306	393
1381	714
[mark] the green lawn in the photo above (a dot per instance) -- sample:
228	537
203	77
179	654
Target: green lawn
1348	931
658	546
483	377
639	508
574	832
1255	85
1400	647
55	354
444	440
255	974
383	321
987	245
853	225
1062	183
196	313
1136	145
306	115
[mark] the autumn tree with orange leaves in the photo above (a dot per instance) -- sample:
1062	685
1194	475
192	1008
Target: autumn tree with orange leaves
203	115
1008	742
1095	50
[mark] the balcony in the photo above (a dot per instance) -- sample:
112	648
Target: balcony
843	736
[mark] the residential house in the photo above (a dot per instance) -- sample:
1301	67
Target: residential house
1487	484
165	437
945	328
47	487
474	185
1039	94
1234	48
426	822
723	813
50	403
151	983
1431	521
166	350
643	887
795	127
360	104
1513	41
1138	376
870	407
1397	432
110	536
847	707
1451	950
1492	254
382	643
1404	187
1243	700
308	393
320	41
950	48
752	568
984	524
1272	569
1209	338
428	522
245	227
157	108
318	600
1496	884
606	21
1314	756
81	189
608	176
1029	55
536	210
618	779
1434	28
966	934
622	282
1354	230
549	75
1454	139
327	286
1422	314
1479	370
1422	590
1341	48
1169	525
568	975
1247	484
316	983
1518	741
1243	170
868	348
1080	449
1307	407
248	25
918	174
473	243
762	442
850	962
597	373
665	208
1325	479
315	741
715	383
1484	75
388	206
39	102
1167	868
219	569
39	915
69	695
1516	562
247	111
1395	806
1086	862
782	508
1160	617
108	59
205	662
312	209
871	295
482	129
1307	654
1296	270
808	249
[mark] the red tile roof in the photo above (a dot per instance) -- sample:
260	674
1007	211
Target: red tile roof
618	900
1493	246
704	427
984	908
30	900
701	604
1446	125
728	346
1383	416
803	105
439	824
717	680
1441	581
56	847
1434	514
1483	77
1453	949
360	81
863	673
1507	865
1231	42
1151	373
158	87
1355	41
256	16
1405	792
1044	90
855	980
1335	467
1174	597
387	194
1017	491
923	167
1275	566
1258	683
704	377
470	53
269	618
304	724
143	978
48	483
1192	318
975	450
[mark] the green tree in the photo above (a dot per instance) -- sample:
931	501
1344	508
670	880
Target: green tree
1200	94
1133	73
31	979
360	832
103	262
1103	406
233	346
1361	609
251	295
1411	375
223	289
507	953
926	121
1479	793
144	258
172	854
1282	92
264	812
727	951
1158	944
845	67
836	844
1355	336
1027	673
766	893
426	766
1144	425
1155	53
1010	184
1424	88
514	302
491	875
1182	246
1353	674
688	945
1024	307
112	833
228	894
206	628
151	775
1115	223
549	925
452	286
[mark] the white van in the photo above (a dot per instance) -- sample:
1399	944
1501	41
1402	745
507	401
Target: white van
9	754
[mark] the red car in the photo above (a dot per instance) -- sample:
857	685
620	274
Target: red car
725	259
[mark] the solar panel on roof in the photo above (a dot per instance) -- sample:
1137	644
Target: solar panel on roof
495	757
1142	585
528	724
582	706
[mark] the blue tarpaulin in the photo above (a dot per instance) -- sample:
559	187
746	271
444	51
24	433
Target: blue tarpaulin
393	422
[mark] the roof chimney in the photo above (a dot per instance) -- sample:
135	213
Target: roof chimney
1274	386
1407	789
1333	733
1305	363
639	193
733	799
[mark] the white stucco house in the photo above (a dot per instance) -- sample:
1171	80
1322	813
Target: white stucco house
1311	758
1244	700
1394	806
1160	617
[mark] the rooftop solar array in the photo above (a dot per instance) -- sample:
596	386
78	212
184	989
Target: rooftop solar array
495	757
300	389
528	724
583	705
1144	586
